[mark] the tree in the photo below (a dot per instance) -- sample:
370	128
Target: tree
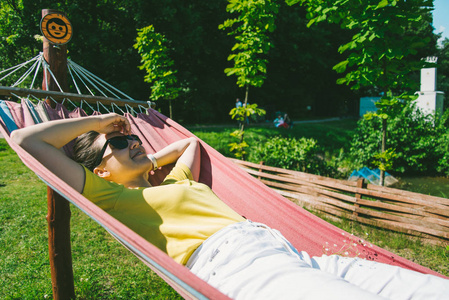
105	32
380	49
253	21
298	74
443	69
16	43
154	50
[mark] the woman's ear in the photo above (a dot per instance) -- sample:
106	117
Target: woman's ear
103	173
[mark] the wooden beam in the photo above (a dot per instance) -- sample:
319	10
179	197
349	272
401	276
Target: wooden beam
58	216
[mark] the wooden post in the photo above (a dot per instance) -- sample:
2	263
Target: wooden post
384	142
58	216
358	197
260	169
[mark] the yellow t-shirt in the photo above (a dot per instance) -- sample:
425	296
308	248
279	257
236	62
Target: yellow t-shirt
177	216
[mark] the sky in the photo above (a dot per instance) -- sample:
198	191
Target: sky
441	17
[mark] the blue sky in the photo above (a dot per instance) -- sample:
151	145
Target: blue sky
441	17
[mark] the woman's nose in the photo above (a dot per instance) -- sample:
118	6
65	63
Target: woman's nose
134	144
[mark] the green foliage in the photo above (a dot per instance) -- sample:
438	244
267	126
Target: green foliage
238	148
443	69
388	106
250	27
384	160
254	20
16	44
243	112
382	47
442	148
330	136
154	49
419	142
293	154
105	32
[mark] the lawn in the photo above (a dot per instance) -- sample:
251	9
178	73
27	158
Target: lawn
331	135
103	269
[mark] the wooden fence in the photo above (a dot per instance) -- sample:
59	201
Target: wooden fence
402	211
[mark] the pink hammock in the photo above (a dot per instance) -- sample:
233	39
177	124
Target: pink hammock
234	186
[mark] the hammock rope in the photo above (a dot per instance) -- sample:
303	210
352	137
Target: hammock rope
47	69
35	73
87	103
102	105
25	75
80	77
74	81
98	80
18	67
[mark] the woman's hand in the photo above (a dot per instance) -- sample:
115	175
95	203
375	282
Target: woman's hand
44	140
186	151
113	123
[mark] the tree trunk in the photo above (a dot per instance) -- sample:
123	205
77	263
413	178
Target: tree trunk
242	125
384	143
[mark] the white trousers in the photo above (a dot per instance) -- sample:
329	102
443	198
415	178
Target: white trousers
249	260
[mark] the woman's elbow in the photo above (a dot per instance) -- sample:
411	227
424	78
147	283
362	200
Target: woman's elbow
24	138
193	141
17	137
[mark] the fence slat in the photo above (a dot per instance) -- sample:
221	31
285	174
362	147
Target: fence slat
411	213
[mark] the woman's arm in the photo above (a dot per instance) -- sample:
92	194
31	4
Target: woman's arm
44	141
186	151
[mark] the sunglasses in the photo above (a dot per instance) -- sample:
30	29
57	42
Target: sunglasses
118	142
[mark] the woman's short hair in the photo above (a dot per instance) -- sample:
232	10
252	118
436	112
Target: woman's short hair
85	151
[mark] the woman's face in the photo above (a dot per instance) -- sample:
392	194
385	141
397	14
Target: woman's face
123	163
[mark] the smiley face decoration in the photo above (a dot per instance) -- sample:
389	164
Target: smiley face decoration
56	28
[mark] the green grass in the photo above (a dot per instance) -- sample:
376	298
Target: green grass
434	257
103	269
331	136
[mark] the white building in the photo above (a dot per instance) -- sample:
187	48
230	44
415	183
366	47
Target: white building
429	99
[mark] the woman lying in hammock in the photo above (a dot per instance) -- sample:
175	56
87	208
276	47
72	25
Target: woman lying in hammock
184	218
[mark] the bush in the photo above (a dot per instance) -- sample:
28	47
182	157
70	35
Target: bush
418	141
293	154
443	147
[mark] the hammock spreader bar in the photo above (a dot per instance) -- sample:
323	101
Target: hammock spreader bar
59	96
